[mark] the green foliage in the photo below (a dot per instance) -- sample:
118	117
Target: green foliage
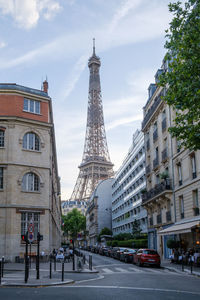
164	175
74	222
172	244
132	243
182	79
136	230
123	236
104	231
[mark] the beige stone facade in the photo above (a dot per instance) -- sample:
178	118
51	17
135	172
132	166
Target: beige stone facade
29	182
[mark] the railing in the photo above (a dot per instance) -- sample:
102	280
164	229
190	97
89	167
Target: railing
164	124
159	188
155	163
155	135
159	219
148	169
151	110
168	216
164	154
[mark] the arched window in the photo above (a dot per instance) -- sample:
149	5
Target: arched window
2	134
30	182
31	141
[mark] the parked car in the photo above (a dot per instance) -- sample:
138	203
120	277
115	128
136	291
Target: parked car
127	255
147	257
118	252
107	251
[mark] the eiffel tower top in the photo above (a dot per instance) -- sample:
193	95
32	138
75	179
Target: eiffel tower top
94	59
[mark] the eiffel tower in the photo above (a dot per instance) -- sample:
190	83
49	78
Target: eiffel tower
96	164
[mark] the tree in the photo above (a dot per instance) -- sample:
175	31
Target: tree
74	222
104	231
136	230
182	80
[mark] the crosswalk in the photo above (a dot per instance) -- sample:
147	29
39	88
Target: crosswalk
132	269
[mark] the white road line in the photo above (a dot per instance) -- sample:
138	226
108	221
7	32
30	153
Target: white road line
121	270
136	270
110	265
153	271
108	271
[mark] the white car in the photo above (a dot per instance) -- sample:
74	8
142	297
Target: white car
60	257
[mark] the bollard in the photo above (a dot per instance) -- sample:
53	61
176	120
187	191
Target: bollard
83	259
50	270
0	271
54	263
90	262
182	266
2	266
63	271
191	266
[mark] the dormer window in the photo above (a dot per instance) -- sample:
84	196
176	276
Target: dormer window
31	106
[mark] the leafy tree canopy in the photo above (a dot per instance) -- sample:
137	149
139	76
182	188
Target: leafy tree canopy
74	222
183	78
105	231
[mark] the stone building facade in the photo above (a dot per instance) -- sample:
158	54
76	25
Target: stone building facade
29	181
129	182
68	205
99	211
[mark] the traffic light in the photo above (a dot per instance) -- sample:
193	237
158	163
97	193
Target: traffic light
24	237
71	241
39	237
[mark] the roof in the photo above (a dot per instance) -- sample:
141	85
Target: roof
14	87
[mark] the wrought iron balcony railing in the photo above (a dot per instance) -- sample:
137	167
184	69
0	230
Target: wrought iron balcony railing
158	189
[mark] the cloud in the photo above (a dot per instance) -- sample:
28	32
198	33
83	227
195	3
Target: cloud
124	121
26	13
2	45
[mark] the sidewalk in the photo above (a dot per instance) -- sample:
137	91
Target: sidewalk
14	274
178	268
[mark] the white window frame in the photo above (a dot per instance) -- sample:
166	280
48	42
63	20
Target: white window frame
31	141
31	106
30	182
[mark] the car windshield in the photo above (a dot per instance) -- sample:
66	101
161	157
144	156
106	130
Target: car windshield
152	252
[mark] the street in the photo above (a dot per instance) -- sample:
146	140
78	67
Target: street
115	280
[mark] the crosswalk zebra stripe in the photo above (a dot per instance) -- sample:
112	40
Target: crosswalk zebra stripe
105	270
136	270
121	270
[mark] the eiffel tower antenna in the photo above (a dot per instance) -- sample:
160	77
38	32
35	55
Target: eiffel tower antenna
96	164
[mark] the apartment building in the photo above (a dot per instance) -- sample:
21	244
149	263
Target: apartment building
68	205
99	210
29	181
127	188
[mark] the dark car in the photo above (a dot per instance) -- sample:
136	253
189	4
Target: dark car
127	255
147	257
118	252
107	251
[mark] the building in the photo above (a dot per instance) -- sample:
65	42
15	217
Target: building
127	188
68	205
173	177
29	181
99	210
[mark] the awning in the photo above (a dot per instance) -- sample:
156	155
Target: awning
179	228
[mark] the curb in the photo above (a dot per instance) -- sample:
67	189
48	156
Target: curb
181	272
69	281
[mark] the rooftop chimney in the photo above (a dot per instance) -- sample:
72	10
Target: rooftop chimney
45	86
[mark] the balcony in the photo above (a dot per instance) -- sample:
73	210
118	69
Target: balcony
155	135
163	187
165	154
151	110
155	163
168	216
159	219
148	169
164	124
148	144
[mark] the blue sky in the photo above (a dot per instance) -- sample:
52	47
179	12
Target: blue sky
54	38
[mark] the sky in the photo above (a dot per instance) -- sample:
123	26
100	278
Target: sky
53	38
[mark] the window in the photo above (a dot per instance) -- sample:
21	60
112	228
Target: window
26	218
179	173
2	133
181	205
32	106
30	182
193	162
31	141
1	178
195	202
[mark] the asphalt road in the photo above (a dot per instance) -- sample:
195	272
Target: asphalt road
116	280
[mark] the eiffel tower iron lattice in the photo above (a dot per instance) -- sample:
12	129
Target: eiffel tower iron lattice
96	164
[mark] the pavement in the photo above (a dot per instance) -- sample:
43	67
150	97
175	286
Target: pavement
14	274
179	269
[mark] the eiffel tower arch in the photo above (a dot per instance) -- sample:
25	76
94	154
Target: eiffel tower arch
96	164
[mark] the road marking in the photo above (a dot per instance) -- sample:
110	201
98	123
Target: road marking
121	270
108	271
127	288
85	280
110	265
136	270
